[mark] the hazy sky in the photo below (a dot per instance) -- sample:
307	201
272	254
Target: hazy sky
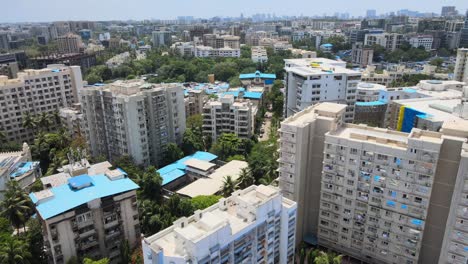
51	10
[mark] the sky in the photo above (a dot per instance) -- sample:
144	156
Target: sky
54	10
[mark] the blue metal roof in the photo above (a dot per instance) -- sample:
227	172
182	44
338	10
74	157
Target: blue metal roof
23	168
257	74
253	95
327	45
80	181
410	90
176	170
373	103
65	198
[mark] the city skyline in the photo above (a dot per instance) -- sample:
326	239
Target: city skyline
53	10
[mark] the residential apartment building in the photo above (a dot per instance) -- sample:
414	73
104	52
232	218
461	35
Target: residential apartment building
69	43
87	211
422	41
8	65
254	225
227	115
300	162
461	66
259	54
385	196
71	119
209	52
35	92
184	48
464	33
162	38
4	41
310	81
18	166
194	101
390	41
133	118
361	55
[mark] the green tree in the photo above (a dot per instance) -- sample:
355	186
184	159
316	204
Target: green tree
125	252
14	250
29	121
172	153
228	186
225	70
192	141
36	241
44	121
195	121
437	62
93	78
16	207
227	145
151	184
245	179
90	261
203	201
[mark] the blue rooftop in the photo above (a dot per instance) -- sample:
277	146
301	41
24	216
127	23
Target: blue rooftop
410	90
253	95
66	198
23	168
373	103
176	170
257	74
327	45
80	182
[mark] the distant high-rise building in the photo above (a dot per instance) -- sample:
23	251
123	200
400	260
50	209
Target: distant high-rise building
371	13
4	45
254	225
464	34
69	43
133	118
461	66
448	11
361	55
162	38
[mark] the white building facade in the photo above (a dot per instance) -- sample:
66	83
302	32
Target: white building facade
254	225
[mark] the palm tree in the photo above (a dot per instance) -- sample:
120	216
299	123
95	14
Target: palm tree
245	179
56	117
44	120
228	186
29	121
16	206
14	251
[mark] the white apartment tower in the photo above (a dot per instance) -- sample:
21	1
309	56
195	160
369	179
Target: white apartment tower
315	80
133	118
300	161
461	66
254	225
34	92
376	195
227	115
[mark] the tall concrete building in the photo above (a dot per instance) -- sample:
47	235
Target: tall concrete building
361	55
376	195
448	11
464	34
133	118
227	115
162	38
35	92
390	41
4	41
8	65
254	225
87	211
310	81
300	161
69	43
461	66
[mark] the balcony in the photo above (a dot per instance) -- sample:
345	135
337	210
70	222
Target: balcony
113	234
88	244
87	233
